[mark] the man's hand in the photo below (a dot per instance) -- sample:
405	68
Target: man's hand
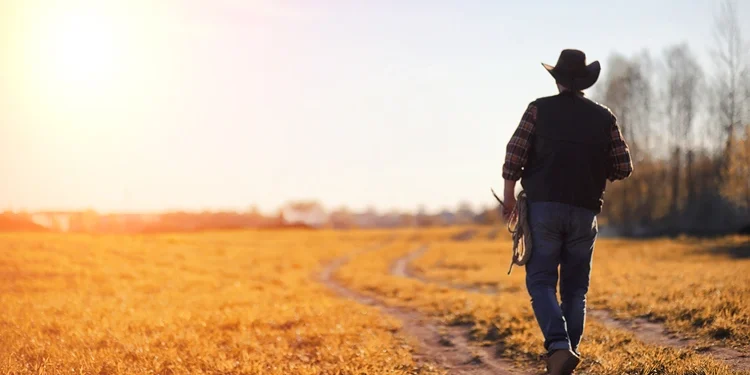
510	199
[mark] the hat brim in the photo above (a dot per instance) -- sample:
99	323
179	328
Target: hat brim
576	83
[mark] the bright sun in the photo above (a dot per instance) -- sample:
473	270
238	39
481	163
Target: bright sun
82	48
75	48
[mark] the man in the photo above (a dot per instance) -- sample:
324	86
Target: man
564	150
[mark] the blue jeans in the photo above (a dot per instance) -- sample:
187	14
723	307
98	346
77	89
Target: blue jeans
561	235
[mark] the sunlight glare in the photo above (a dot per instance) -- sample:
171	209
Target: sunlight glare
82	48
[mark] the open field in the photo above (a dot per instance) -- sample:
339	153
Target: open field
350	302
504	319
697	288
201	304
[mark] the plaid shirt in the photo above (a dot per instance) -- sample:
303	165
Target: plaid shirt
517	151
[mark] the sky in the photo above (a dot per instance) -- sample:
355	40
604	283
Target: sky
139	105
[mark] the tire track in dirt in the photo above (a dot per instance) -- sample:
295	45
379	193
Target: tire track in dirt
642	329
447	347
657	334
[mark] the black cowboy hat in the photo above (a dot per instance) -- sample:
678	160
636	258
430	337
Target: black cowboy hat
572	71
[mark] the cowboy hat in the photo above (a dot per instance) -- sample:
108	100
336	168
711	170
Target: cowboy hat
572	71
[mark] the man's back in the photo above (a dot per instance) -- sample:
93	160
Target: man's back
565	148
568	159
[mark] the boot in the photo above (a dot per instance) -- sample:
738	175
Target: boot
562	362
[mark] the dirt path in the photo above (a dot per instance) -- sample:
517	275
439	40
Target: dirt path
447	347
648	332
655	333
401	268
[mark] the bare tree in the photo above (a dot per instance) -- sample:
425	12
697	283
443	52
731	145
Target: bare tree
683	76
627	91
730	57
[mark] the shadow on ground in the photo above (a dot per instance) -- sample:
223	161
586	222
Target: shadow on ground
739	250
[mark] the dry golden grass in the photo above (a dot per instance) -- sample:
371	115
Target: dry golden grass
506	319
695	287
699	288
239	303
247	303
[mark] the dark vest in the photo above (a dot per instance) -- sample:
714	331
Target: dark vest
569	156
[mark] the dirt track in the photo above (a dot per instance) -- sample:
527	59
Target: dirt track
447	347
648	332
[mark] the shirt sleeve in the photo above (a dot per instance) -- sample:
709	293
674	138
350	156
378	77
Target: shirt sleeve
517	150
619	154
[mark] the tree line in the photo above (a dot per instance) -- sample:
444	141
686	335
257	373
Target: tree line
688	128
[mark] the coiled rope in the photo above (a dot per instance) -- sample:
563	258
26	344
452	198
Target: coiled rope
518	226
